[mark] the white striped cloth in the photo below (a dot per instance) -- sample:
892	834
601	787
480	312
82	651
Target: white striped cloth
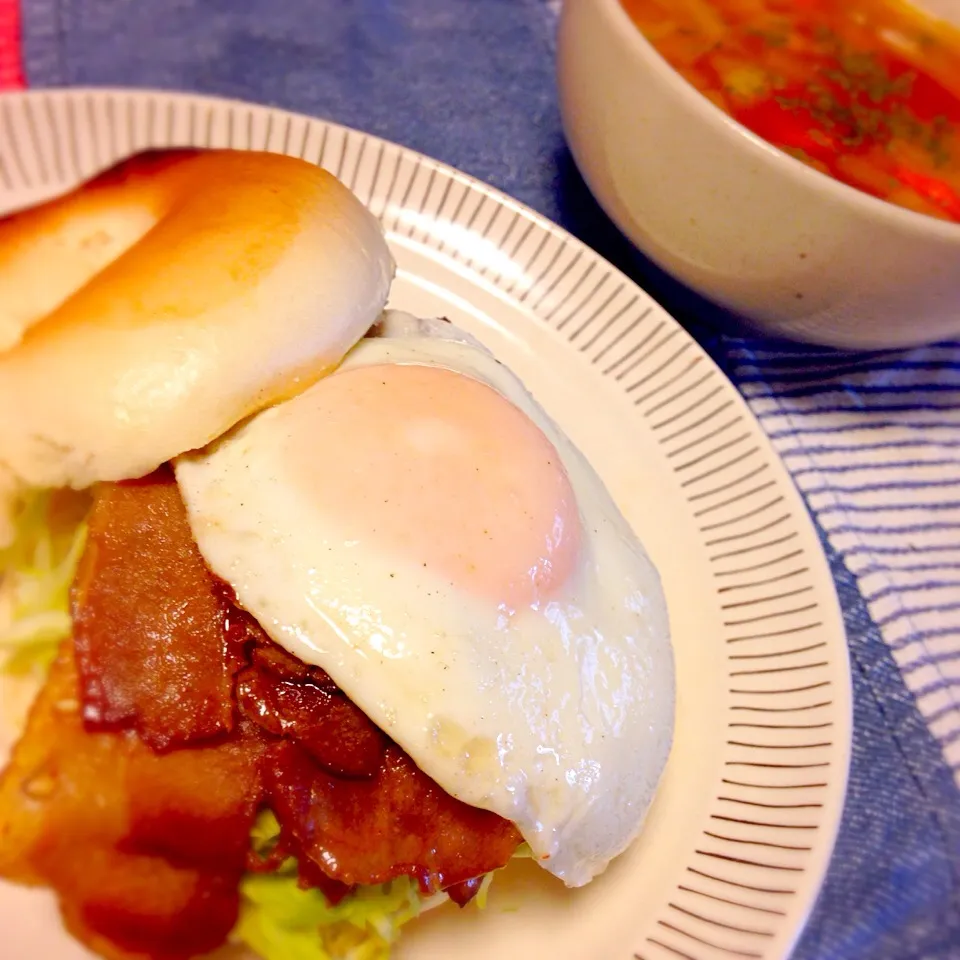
873	441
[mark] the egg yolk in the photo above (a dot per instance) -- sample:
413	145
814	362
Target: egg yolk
443	473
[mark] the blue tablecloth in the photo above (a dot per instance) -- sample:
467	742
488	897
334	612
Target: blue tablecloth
471	82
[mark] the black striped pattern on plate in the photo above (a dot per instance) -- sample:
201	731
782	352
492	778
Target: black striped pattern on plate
745	889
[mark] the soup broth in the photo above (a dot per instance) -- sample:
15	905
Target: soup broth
865	91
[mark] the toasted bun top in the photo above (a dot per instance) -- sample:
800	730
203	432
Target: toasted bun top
153	308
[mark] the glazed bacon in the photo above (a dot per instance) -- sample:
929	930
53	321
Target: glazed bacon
163	728
153	641
145	851
370	831
286	698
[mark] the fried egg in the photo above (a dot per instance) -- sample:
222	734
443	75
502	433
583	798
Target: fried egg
416	525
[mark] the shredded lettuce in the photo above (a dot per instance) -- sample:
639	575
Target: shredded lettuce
280	921
36	571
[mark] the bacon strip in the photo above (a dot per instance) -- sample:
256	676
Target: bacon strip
371	831
312	711
145	851
154	645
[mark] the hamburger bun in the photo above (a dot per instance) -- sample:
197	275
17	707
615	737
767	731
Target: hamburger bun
150	310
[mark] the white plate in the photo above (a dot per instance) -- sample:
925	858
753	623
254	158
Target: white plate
737	843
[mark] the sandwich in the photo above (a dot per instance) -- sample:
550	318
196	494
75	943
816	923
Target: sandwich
331	621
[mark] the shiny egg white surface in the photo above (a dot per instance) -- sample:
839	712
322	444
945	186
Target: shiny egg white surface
417	526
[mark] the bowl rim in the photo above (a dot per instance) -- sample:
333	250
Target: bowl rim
900	218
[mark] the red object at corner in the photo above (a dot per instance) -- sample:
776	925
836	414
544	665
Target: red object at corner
11	60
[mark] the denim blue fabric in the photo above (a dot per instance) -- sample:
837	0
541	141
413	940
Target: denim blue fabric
471	82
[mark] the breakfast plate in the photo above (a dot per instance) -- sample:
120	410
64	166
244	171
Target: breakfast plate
737	843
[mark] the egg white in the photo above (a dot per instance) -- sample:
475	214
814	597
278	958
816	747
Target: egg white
558	718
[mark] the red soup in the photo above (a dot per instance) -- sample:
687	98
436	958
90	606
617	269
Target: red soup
866	91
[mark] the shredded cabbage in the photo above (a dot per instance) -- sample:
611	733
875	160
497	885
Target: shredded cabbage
36	571
279	921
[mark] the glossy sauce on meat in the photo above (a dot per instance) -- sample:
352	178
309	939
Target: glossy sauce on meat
399	823
154	647
145	851
309	708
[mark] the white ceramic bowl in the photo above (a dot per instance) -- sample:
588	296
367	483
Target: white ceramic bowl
792	250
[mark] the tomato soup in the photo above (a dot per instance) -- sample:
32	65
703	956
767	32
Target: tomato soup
866	91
